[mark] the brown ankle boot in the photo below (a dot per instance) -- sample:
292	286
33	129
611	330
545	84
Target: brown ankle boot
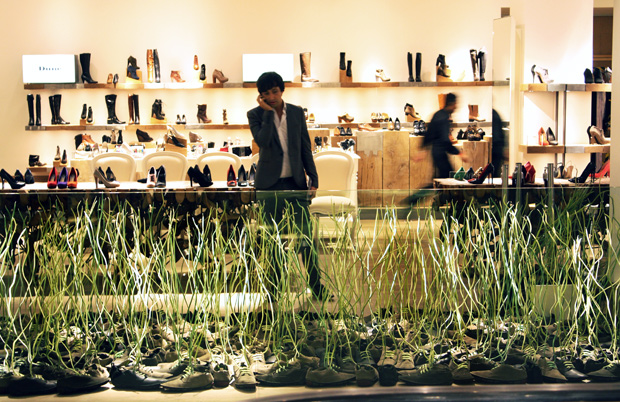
202	114
175	76
193	137
473	113
304	61
218	74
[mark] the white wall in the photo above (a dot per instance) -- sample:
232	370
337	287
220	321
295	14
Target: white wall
558	34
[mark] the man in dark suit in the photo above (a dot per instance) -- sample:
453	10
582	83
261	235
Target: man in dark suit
285	158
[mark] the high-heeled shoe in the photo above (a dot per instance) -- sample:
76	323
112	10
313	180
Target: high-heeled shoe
175	76
397	124
196	176
195	62
604	170
242	178
109	175
89	116
161	177
469	174
84	111
28	177
63	160
202	114
207	173
460	174
225	116
596	136
598	76
541	137
11	180
588	77
203	73
73	178
101	178
349	132
252	175
151	178
143	136
18	176
551	139
52	178
346	118
231	179
62	178
530	173
390	125
178	139
587	172
183	120
488	170
219	75
381	76
542	74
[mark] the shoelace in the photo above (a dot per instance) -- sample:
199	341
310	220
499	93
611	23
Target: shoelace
365	355
551	365
568	364
424	368
406	356
187	372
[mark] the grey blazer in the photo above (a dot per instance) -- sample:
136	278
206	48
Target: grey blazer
270	159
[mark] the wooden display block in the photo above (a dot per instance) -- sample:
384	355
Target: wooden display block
344	78
395	165
84	122
129	80
317	132
155	121
40	173
420	173
477	152
370	173
339	138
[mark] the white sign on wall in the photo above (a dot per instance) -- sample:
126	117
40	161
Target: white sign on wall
256	64
49	68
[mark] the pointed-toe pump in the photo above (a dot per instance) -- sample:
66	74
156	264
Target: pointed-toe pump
62	178
460	174
161	177
469	174
28	177
100	177
15	184
488	170
231	179
551	139
542	140
604	171
242	179
252	175
52	178
196	176
587	172
151	178
73	178
596	136
207	173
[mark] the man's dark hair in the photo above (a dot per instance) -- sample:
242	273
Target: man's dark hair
450	99
269	80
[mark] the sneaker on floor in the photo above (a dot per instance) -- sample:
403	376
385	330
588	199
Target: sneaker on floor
460	372
405	361
221	375
437	374
30	386
244	378
327	377
289	373
134	381
188	382
366	375
569	371
609	373
550	372
502	374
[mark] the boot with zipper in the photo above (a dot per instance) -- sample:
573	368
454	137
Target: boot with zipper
149	65
202	114
30	99
85	63
410	67
473	55
418	67
156	110
156	66
136	109
59	120
38	110
110	102
304	61
131	113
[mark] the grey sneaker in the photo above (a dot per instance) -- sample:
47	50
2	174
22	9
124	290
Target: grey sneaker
347	365
244	378
289	373
327	377
388	358
502	374
366	375
189	381
437	374
460	372
221	375
405	361
550	372
609	373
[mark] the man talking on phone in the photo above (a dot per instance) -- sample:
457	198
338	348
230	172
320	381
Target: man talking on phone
285	158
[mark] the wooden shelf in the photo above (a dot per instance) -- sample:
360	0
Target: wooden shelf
587	149
565	87
542	149
252	85
543	87
76	127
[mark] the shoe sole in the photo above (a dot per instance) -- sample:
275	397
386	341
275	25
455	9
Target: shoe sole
332	384
179	390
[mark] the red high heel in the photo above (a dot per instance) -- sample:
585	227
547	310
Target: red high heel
73	176
542	137
231	180
603	172
530	173
52	179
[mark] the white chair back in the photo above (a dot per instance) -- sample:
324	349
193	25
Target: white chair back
219	162
123	165
335	170
174	163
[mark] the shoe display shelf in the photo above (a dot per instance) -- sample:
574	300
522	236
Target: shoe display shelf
77	127
560	91
252	85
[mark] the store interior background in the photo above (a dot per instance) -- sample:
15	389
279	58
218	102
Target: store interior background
555	34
